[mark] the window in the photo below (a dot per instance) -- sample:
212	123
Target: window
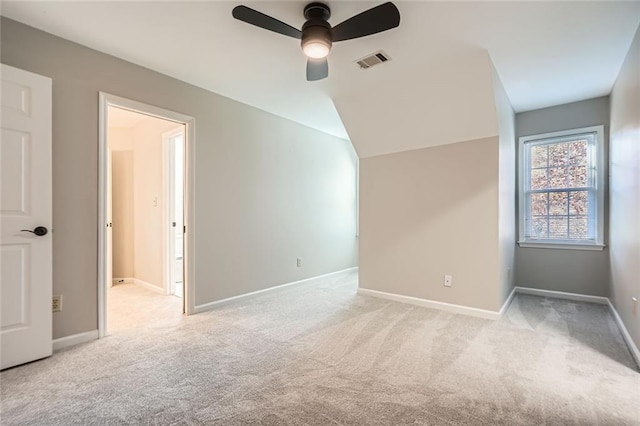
561	189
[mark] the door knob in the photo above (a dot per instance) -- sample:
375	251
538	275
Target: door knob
38	230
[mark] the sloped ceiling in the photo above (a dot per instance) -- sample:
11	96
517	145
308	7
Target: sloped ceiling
451	101
546	53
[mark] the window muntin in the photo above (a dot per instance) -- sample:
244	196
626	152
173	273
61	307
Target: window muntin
560	199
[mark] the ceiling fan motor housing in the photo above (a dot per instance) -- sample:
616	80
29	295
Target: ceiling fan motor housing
316	28
317	35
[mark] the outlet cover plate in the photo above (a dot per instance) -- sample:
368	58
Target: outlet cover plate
56	303
448	280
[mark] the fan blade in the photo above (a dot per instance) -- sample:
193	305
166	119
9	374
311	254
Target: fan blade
317	69
372	21
253	17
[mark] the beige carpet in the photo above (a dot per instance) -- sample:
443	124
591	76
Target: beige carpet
133	307
320	354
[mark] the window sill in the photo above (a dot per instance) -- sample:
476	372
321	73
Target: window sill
562	246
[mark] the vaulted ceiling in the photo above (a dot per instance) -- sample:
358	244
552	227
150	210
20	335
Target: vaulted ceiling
546	53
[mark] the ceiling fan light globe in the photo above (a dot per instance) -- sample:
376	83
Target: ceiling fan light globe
316	49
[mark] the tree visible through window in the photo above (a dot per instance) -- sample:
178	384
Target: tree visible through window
560	188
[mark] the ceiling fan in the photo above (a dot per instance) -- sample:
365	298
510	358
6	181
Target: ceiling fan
317	35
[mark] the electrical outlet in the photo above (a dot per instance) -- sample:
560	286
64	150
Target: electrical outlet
448	280
56	303
299	262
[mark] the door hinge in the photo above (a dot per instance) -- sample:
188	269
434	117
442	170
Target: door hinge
184	229
173	224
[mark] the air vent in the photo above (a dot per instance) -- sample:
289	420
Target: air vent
373	59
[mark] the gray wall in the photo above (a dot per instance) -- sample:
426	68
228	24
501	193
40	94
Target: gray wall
625	192
267	190
574	271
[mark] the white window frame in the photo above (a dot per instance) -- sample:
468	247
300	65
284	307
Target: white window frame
599	154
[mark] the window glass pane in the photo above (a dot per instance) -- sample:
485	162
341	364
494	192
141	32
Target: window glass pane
578	152
558	203
539	156
557	167
558	228
578	203
577	177
539	228
539	204
577	227
558	154
558	177
539	179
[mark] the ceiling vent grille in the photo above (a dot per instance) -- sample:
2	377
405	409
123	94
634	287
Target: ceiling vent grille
372	60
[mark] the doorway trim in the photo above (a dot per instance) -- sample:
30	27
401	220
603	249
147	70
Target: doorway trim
106	100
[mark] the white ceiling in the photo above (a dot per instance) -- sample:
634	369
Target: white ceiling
546	53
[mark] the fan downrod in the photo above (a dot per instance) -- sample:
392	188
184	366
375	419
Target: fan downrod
317	10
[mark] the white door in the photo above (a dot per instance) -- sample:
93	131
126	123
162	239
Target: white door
178	216
174	210
25	204
109	224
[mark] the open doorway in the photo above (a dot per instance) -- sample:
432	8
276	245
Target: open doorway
145	197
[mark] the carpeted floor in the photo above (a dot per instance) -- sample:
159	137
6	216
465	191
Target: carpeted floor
320	354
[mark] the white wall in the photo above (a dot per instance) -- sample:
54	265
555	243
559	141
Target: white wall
138	199
267	190
122	214
119	138
149	200
121	151
507	188
624	190
453	103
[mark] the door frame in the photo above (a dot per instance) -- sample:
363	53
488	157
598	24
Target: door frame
106	100
168	183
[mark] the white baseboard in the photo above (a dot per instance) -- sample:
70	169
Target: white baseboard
213	305
449	307
635	353
563	295
116	281
507	302
74	339
148	286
